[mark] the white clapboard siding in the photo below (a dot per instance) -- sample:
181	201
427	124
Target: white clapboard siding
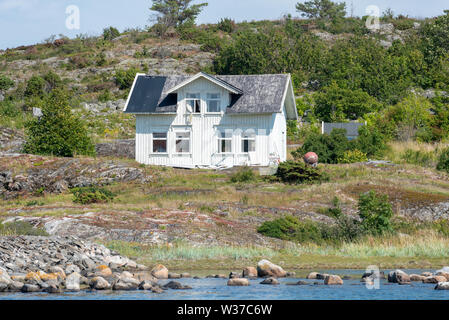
270	131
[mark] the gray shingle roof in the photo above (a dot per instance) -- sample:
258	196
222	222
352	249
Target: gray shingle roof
261	93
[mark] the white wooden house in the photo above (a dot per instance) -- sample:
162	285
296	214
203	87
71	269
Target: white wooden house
205	120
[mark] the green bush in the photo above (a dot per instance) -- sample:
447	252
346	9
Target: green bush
5	83
125	78
375	212
418	157
244	174
353	156
226	25
58	131
291	228
21	228
87	195
9	109
110	33
443	161
299	172
35	87
328	147
371	142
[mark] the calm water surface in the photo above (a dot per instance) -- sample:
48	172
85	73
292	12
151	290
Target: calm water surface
211	289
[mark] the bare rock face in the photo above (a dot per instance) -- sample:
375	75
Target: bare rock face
160	272
249	272
267	268
238	282
333	280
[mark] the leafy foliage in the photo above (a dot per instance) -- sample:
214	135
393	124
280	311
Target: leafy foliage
226	25
125	78
322	9
110	33
5	83
58	131
87	195
35	87
244	174
443	161
299	172
353	156
375	212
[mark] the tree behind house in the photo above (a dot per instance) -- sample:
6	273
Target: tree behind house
58	131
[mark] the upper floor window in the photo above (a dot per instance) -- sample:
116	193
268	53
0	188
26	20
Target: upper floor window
248	141
183	142
213	102
159	142
193	102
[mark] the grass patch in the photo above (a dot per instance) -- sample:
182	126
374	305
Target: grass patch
21	228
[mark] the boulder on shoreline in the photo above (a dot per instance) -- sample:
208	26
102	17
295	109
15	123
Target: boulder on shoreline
434	279
249	272
442	286
416	278
398	276
175	285
266	268
312	275
72	282
333	280
99	283
159	272
272	281
238	282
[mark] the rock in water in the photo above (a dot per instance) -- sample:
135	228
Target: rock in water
176	286
30	288
312	275
443	274
272	281
398	276
442	286
238	282
99	283
434	279
267	268
249	272
416	278
72	282
160	272
15	286
333	280
172	275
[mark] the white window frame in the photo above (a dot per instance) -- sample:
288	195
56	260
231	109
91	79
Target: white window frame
195	100
166	142
226	137
218	100
189	139
245	136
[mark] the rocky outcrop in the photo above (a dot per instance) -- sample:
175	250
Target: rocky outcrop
398	276
11	141
117	149
159	272
434	279
31	254
266	268
45	174
249	272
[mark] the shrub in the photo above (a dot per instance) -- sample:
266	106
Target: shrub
371	142
24	228
375	212
226	25
9	109
110	33
328	147
35	87
353	156
299	172
443	161
87	195
125	78
5	83
244	174
420	158
290	228
58	131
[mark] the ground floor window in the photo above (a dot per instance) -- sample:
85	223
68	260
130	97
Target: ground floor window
224	143
183	142
159	142
248	141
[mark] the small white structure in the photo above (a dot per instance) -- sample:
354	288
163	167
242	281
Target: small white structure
211	121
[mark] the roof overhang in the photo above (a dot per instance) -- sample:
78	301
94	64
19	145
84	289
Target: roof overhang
213	79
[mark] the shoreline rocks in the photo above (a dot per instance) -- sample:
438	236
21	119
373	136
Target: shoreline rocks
267	268
238	282
333	280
